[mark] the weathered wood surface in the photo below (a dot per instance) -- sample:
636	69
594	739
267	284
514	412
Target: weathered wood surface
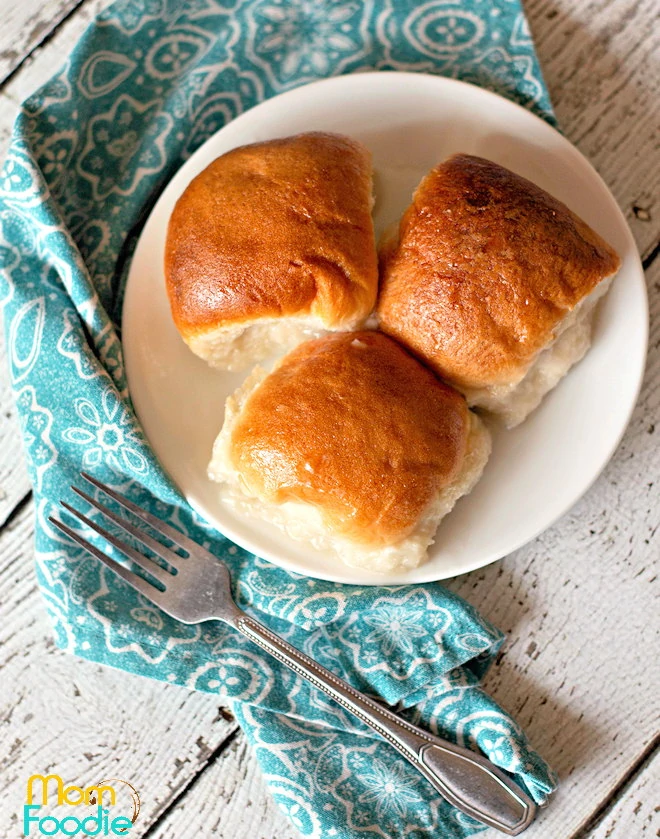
229	800
25	24
14	483
7	113
40	65
636	814
577	603
601	61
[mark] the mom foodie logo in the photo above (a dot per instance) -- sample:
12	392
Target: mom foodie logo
108	798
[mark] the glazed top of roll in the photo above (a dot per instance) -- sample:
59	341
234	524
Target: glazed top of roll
354	425
273	229
485	266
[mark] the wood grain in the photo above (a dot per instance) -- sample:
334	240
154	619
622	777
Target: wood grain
636	815
25	24
229	800
43	61
14	483
601	61
7	116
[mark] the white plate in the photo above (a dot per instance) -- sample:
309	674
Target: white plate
410	122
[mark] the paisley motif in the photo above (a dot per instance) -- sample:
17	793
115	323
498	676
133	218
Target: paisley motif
103	72
25	332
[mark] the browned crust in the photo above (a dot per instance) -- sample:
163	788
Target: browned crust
357	427
274	229
485	267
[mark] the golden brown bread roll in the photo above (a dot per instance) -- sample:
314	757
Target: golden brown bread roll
271	243
492	282
353	445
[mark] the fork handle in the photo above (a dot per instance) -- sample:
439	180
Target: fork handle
467	780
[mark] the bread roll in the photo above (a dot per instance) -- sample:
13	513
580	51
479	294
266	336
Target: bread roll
271	243
492	282
353	445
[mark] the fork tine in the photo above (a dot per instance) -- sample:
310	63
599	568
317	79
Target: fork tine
158	548
149	565
176	536
138	583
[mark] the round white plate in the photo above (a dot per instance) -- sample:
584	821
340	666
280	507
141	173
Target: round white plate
410	122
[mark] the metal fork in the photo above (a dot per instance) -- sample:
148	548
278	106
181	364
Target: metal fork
197	588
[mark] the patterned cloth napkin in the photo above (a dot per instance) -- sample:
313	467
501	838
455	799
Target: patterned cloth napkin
148	83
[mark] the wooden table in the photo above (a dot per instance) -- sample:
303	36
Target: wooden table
580	670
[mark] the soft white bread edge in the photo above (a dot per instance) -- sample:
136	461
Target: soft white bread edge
304	522
512	403
239	345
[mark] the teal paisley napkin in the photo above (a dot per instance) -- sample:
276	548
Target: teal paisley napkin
148	83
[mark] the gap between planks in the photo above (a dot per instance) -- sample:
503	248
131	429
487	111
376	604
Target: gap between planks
192	783
650	257
609	803
16	511
39	36
636	813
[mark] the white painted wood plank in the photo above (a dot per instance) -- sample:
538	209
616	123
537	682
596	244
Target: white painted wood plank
14	482
601	61
229	800
637	814
25	23
81	720
46	60
7	117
